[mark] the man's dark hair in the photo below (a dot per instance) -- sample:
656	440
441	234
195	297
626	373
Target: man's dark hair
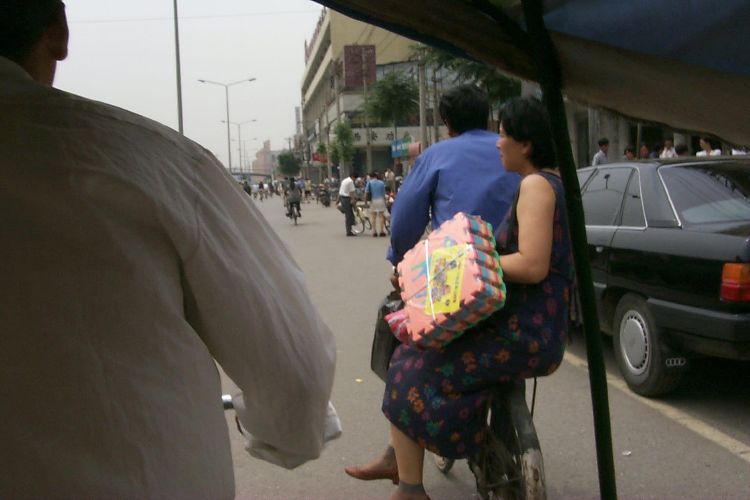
526	120
603	141
630	149
681	149
465	108
22	25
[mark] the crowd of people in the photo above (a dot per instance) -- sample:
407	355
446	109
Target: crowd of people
664	150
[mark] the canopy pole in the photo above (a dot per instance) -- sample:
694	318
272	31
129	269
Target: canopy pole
551	82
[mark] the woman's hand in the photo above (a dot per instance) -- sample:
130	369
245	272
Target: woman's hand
535	212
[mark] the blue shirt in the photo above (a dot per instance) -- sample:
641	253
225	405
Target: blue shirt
376	188
461	174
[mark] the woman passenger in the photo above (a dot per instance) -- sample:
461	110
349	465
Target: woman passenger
436	399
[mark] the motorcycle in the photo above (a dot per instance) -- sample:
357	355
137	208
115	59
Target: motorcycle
324	197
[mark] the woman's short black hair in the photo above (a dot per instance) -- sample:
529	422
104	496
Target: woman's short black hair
526	120
465	107
22	25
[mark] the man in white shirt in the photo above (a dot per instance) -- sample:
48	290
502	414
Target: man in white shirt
348	198
130	261
668	150
600	158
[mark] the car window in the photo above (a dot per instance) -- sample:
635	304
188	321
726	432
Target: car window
602	197
632	207
716	193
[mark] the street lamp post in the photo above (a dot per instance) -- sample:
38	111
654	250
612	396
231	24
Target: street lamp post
226	96
239	135
242	146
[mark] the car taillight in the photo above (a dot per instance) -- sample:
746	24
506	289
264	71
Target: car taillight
735	282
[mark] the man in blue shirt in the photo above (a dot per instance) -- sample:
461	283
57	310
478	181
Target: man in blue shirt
461	174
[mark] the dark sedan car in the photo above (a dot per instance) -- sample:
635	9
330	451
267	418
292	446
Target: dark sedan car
669	247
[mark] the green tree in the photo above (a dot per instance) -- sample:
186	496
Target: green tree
343	146
498	86
321	148
392	99
288	163
334	154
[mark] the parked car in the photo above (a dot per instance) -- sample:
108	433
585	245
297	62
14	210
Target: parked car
669	247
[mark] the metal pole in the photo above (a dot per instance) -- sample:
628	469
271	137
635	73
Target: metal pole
229	140
550	80
422	100
367	121
179	71
435	106
239	143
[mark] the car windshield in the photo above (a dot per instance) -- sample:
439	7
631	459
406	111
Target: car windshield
716	193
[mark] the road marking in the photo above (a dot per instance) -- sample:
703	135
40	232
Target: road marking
733	446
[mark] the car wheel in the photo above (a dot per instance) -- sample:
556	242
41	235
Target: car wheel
640	351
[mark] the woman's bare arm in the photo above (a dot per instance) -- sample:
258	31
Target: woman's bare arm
535	212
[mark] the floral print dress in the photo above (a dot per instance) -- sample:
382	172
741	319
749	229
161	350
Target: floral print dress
438	397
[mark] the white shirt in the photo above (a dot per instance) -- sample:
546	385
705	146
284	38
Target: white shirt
347	187
714	152
600	158
668	153
130	260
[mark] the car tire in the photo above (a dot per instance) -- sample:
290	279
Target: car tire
640	350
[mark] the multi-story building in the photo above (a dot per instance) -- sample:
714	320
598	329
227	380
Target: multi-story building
342	58
264	160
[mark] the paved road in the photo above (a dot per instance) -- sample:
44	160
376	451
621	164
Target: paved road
694	444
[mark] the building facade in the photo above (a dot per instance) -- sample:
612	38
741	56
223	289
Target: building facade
342	59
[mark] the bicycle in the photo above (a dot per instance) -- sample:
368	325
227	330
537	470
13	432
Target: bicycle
294	213
510	465
361	221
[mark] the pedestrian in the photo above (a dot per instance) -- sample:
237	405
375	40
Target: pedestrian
644	152
707	148
375	191
682	150
600	158
524	339
390	180
461	174
630	153
130	263
668	150
348	198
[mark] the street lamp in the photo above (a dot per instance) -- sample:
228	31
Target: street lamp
226	95
241	145
239	136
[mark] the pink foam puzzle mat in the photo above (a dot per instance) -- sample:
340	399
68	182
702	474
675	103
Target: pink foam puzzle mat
449	282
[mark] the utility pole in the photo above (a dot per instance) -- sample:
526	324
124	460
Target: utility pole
435	112
422	100
177	68
364	108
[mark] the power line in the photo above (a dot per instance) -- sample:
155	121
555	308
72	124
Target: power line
189	18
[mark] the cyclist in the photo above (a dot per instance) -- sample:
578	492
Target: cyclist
293	197
461	174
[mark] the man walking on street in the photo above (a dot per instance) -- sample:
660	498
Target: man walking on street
462	174
348	198
131	262
600	158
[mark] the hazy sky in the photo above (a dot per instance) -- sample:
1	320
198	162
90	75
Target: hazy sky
122	53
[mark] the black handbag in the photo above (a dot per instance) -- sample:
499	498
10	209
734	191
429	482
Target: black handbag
383	341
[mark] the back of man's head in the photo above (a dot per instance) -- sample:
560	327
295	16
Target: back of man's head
22	25
464	108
